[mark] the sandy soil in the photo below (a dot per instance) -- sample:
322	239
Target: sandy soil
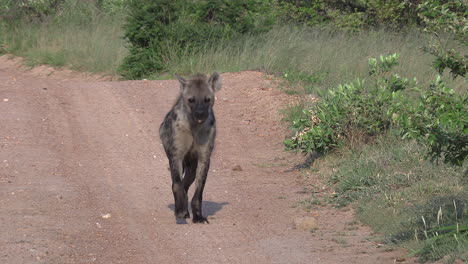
84	179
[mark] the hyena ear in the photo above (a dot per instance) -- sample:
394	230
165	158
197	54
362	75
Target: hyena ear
215	82
182	82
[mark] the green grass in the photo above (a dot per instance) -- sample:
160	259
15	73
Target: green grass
80	39
315	58
394	188
309	203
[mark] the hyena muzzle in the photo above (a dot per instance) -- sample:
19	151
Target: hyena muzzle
188	134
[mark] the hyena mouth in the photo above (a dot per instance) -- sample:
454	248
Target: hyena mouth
200	119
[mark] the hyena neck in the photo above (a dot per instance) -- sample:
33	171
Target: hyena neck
201	133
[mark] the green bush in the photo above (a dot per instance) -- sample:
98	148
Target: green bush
350	113
438	119
347	114
449	17
350	15
161	30
301	12
145	29
242	16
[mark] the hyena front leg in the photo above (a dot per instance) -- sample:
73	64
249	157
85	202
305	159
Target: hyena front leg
180	195
190	170
200	180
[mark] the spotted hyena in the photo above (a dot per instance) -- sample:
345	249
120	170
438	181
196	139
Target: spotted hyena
188	134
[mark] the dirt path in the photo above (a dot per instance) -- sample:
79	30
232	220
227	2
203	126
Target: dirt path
83	178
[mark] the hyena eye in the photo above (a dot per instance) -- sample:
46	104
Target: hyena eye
191	100
207	100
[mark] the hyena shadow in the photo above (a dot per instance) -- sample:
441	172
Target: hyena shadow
209	208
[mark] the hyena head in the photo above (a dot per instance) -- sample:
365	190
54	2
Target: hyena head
198	95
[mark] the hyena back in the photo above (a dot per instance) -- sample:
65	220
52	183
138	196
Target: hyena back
188	134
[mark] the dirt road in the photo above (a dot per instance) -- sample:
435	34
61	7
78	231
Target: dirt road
83	178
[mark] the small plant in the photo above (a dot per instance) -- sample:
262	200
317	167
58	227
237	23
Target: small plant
309	203
340	241
384	64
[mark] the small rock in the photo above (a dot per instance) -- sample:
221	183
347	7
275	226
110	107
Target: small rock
5	100
305	223
105	216
237	168
400	259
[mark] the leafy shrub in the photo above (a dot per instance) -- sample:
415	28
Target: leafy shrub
351	112
157	30
301	12
448	17
393	13
352	22
350	15
146	28
436	117
238	15
439	119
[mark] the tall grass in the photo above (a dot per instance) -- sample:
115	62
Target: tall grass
314	58
332	57
78	37
396	191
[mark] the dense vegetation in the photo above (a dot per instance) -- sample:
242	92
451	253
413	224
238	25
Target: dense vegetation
390	78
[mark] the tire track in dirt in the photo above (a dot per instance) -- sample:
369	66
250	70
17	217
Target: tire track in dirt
79	150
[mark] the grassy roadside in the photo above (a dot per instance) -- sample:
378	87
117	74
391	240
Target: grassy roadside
78	38
409	201
412	202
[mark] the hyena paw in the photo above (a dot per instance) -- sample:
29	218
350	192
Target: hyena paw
182	215
200	220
